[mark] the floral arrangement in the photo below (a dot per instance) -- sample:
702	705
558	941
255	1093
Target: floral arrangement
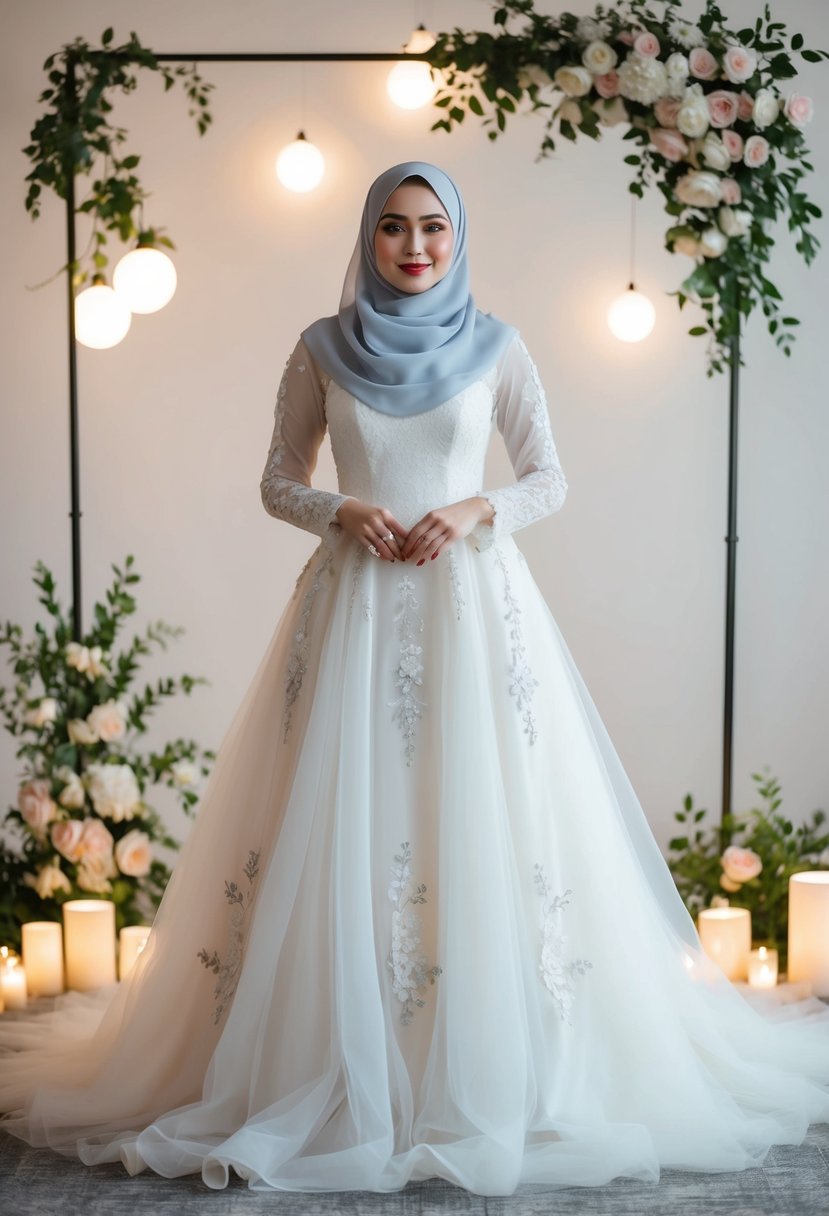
86	827
718	135
756	868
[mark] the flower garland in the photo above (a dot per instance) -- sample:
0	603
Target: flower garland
81	812
704	104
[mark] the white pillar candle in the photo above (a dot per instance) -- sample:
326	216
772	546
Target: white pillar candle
89	937
725	934
131	941
762	967
43	957
13	983
809	929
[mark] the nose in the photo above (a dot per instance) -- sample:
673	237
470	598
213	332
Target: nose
413	246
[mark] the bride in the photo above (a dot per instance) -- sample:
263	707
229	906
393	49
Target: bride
420	927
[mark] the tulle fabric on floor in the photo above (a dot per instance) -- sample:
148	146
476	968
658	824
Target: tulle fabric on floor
420	927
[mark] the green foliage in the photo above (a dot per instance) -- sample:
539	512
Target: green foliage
75	131
491	74
57	683
696	853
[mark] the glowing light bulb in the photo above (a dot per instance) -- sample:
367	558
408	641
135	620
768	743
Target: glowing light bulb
300	165
631	316
412	85
102	319
145	278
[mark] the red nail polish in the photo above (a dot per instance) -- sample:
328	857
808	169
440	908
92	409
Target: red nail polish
422	560
434	555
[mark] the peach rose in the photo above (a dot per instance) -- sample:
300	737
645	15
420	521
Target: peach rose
666	110
646	44
94	874
739	64
745	104
723	107
49	879
756	151
36	805
740	865
80	731
731	192
702	64
96	839
607	85
45	711
611	111
733	144
133	854
108	720
798	109
573	80
669	143
626	36
66	837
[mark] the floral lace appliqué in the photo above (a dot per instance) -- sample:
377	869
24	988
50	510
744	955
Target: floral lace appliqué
409	673
409	967
522	682
460	602
557	971
298	660
228	971
357	585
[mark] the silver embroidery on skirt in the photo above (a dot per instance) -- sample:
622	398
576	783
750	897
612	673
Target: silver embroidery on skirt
408	966
357	585
409	672
522	682
298	659
557	971
228	971
460	602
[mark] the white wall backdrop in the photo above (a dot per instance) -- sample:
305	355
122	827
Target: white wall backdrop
175	422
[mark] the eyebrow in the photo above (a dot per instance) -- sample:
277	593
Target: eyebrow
391	215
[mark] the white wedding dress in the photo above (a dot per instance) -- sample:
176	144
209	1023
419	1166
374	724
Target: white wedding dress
420	926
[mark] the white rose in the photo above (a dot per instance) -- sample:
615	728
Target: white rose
533	74
676	65
134	854
80	731
570	111
45	711
108	720
94	873
687	244
712	243
588	29
72	795
599	57
714	152
699	188
184	772
97	667
36	805
77	655
611	112
766	108
692	118
574	81
734	222
49	879
114	790
642	78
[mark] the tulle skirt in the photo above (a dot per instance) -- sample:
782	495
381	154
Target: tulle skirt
420	928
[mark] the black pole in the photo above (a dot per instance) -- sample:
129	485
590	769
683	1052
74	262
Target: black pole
74	442
731	569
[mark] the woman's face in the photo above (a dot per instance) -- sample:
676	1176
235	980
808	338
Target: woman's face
414	230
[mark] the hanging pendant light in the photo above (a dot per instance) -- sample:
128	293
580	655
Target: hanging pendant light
300	165
631	316
102	319
145	278
412	85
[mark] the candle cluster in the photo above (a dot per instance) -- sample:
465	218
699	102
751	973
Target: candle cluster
79	953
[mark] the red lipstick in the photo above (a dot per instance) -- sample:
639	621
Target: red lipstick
415	267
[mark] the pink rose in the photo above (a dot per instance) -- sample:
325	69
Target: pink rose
741	865
731	192
666	110
66	838
798	109
646	44
627	36
36	804
733	144
670	143
756	151
745	106
607	85
133	853
739	64
723	107
702	63
96	839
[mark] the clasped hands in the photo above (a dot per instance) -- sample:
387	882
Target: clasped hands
425	539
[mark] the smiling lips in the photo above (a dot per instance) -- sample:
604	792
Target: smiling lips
415	267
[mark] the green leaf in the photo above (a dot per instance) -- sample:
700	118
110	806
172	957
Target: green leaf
106	37
697	330
475	105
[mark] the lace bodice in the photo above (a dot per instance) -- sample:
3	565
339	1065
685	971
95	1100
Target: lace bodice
412	464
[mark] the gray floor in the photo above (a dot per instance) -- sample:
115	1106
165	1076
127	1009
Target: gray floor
793	1181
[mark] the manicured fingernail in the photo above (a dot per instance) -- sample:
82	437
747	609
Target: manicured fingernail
434	555
422	560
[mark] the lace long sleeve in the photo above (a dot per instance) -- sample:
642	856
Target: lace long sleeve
524	422
298	431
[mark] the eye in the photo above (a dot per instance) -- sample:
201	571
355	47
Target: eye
436	227
390	226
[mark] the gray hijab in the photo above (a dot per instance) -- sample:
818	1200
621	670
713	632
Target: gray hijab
406	352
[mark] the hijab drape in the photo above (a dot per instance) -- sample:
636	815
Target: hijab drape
406	352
